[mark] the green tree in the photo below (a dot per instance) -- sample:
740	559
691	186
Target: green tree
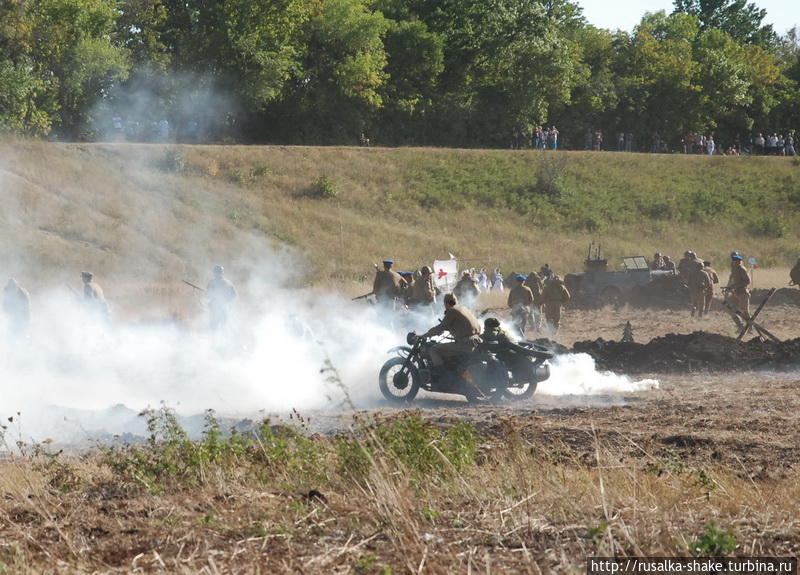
741	20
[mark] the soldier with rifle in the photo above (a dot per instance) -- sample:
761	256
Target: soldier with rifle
220	295
520	300
388	285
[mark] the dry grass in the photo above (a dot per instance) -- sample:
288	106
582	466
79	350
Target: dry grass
522	504
139	214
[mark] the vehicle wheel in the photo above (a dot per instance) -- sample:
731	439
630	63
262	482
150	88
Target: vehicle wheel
398	385
487	380
611	295
519	393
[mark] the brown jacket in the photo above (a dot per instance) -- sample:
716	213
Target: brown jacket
388	284
739	279
555	292
423	291
459	321
520	296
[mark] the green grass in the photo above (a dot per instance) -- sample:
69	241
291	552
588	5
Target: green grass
160	213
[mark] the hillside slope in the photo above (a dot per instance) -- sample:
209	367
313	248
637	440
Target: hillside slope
149	215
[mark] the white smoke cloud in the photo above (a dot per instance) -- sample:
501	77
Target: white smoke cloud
576	374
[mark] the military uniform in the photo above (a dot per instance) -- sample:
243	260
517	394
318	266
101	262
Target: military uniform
738	290
699	282
423	291
466	290
669	265
686	265
657	263
520	300
534	282
17	306
555	295
464	328
220	293
794	274
387	286
94	297
714	277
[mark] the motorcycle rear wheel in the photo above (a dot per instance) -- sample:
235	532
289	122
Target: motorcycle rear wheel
520	393
476	392
398	385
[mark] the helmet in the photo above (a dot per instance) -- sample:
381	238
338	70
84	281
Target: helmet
87	275
491	323
425	270
658	254
218	269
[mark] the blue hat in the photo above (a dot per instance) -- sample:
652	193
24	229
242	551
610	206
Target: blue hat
736	257
388	261
521	277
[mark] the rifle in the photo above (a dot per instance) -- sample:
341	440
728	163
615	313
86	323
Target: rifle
194	286
366	295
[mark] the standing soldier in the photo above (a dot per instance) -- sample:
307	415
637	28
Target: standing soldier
17	306
714	277
535	283
466	290
388	284
686	265
794	274
554	296
94	297
220	293
738	293
424	291
520	300
699	283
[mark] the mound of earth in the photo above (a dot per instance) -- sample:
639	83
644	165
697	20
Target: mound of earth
698	351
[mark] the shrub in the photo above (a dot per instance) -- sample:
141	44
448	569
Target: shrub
713	543
769	227
324	188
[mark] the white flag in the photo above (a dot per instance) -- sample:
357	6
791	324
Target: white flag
445	274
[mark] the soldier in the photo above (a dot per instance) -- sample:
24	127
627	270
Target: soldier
388	284
738	293
554	295
424	291
466	290
520	300
699	282
17	306
220	295
686	265
669	265
794	274
658	262
534	282
714	277
94	297
545	272
463	327
493	332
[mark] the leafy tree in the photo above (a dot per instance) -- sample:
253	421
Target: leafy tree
737	18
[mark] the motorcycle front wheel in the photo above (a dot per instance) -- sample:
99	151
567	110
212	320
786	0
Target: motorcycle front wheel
397	384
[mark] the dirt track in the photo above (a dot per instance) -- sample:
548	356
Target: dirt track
720	401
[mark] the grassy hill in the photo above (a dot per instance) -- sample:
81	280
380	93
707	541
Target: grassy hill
148	215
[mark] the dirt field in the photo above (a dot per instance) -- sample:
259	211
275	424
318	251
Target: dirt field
705	464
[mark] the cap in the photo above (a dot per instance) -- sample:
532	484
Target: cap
521	278
734	254
388	261
736	257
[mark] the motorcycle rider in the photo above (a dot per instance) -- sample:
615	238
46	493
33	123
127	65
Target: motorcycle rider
462	325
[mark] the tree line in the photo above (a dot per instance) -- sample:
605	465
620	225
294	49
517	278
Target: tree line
468	73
